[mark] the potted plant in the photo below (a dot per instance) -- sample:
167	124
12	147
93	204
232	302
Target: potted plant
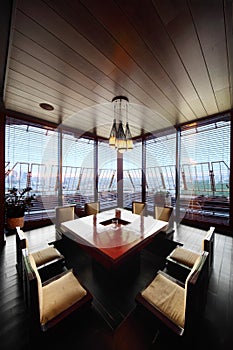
16	203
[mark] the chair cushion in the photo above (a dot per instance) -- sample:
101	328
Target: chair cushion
45	255
168	297
184	256
59	295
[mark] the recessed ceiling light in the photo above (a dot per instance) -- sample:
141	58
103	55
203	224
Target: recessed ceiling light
47	106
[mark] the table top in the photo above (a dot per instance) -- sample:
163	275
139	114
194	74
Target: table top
99	232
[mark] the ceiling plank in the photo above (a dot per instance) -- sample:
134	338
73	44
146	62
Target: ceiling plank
213	45
158	41
180	28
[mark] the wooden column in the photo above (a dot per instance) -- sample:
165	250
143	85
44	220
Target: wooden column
60	163
96	172
5	28
231	178
143	169
177	194
120	180
2	179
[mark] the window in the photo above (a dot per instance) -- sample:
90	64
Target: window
161	170
132	175
32	159
205	171
107	176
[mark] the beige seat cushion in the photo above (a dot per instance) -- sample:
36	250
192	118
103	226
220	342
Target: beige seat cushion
184	256
59	295
45	255
168	297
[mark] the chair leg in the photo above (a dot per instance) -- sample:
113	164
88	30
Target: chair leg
156	336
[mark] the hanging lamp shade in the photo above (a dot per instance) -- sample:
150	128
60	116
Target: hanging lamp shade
118	138
113	134
128	136
121	139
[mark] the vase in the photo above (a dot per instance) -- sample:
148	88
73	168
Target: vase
12	223
15	217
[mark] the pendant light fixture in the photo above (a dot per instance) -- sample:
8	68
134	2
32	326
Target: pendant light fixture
120	139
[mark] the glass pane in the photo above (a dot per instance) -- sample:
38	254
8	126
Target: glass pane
132	175
77	170
107	176
205	172
161	170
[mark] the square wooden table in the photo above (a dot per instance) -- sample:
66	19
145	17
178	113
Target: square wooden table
109	245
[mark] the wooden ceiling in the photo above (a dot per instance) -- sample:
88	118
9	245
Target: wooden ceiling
172	59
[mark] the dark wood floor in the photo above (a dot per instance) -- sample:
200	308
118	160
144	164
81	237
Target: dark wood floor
114	321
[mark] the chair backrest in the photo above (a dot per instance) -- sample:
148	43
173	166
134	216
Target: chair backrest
163	213
63	213
139	208
49	260
92	208
196	287
31	293
21	243
208	245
